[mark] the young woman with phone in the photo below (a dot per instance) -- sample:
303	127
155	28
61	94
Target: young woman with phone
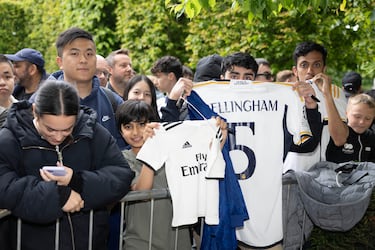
56	131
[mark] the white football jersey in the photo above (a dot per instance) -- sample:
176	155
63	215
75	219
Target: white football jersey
192	167
303	161
260	117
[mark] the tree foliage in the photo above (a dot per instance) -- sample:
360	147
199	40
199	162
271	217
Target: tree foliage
96	16
253	8
13	26
150	31
191	29
45	24
346	29
47	18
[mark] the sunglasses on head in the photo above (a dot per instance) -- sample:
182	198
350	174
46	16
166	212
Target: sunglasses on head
266	75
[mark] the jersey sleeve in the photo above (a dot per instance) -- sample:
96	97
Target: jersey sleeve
215	161
297	122
154	151
339	99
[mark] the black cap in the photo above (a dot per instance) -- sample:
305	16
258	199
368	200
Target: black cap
208	68
352	82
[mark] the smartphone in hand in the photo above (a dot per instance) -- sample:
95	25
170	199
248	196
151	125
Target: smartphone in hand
57	171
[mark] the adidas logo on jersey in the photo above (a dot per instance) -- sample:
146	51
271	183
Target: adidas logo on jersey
186	145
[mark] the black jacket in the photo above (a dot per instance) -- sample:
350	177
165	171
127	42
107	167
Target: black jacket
358	147
101	175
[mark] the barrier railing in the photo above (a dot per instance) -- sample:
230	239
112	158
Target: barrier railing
151	195
289	185
132	196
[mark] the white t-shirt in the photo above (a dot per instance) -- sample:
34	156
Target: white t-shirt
259	115
303	161
192	168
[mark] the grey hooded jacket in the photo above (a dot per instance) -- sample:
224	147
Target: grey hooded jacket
332	196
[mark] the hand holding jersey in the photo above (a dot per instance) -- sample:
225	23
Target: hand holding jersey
324	83
303	161
149	131
182	88
224	130
306	91
337	129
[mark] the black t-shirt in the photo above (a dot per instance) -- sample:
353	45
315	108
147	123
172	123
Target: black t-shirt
19	93
358	147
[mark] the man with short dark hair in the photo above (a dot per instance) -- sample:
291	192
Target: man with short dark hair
169	80
239	66
76	57
310	66
77	60
29	72
168	69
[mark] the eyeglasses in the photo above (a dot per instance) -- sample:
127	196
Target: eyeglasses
266	75
100	72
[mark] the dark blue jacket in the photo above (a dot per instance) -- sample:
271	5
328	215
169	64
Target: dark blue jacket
232	207
99	101
101	176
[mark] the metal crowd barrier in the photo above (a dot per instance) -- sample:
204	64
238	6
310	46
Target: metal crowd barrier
132	196
151	195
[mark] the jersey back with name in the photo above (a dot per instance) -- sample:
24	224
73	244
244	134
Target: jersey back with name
259	116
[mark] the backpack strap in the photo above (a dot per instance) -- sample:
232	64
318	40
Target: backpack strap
111	97
355	177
